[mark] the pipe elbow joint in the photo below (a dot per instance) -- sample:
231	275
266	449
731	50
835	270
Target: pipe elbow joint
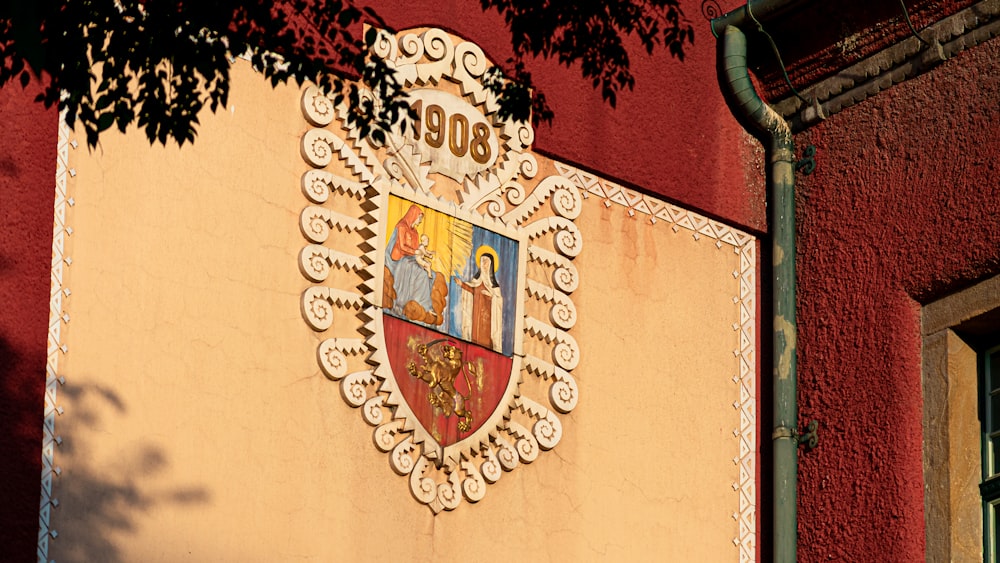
738	84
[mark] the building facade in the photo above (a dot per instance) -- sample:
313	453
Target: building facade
192	333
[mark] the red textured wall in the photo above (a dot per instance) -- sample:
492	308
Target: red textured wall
27	178
903	208
672	136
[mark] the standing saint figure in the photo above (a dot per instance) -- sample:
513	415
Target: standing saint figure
482	303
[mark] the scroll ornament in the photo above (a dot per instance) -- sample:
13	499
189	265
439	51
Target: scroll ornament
498	193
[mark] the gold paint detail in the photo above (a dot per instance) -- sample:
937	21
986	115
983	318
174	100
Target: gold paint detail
440	364
468	164
487	249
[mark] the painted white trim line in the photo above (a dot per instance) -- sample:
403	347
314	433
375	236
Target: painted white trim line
57	293
744	244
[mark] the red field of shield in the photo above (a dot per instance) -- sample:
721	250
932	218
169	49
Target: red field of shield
468	380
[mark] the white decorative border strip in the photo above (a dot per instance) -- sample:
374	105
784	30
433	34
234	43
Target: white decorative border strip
638	203
745	245
57	317
747	379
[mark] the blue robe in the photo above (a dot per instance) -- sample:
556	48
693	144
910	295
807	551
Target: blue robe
410	281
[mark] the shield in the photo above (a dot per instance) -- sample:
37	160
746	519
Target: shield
451	315
450	214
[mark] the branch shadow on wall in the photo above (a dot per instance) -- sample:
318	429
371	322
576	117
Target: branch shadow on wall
107	502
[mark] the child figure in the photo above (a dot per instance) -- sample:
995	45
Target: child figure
425	256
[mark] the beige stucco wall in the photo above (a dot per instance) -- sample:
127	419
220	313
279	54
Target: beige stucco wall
198	426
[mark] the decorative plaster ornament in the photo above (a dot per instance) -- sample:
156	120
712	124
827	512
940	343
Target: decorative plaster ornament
446	218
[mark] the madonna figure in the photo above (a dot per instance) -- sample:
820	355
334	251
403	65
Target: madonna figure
419	293
482	303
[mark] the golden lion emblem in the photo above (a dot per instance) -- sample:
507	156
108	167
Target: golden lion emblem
441	364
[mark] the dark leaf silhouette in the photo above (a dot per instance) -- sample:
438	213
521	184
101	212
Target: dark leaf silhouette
157	64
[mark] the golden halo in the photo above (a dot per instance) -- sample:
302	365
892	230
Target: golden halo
487	249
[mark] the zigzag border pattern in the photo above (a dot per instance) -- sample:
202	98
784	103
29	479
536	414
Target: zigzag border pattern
744	244
55	347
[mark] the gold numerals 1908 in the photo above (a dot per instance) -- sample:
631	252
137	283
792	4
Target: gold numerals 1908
439	128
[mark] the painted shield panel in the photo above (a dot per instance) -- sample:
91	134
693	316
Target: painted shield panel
451	386
449	303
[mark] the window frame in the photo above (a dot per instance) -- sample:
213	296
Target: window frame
989	488
955	330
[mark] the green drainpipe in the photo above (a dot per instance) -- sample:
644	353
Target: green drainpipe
781	190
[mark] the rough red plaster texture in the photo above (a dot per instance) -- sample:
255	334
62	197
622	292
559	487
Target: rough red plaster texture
27	177
672	136
902	209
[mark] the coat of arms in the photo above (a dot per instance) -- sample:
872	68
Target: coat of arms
450	316
441	263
